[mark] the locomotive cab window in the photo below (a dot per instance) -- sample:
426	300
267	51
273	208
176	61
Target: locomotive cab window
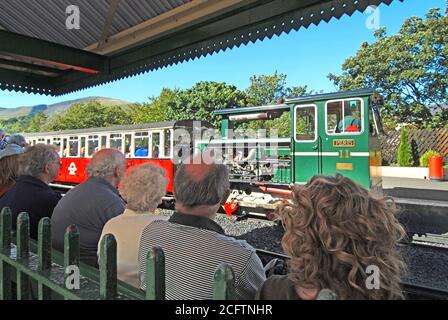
305	123
344	117
141	142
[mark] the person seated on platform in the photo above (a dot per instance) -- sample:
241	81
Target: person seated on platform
38	166
17	139
9	167
335	231
142	189
193	243
91	204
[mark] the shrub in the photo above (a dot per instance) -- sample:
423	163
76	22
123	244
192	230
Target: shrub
404	157
424	159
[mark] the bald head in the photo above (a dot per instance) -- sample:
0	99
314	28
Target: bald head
105	163
201	183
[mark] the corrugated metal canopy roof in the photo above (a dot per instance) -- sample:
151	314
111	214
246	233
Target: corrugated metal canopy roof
119	38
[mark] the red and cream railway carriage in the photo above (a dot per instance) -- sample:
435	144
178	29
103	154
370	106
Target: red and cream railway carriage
150	142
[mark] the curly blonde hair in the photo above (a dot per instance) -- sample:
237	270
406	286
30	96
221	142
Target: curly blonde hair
334	230
143	187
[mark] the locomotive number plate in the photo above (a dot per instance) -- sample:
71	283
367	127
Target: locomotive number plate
344	166
346	143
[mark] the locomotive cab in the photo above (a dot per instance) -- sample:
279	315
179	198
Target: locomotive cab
337	133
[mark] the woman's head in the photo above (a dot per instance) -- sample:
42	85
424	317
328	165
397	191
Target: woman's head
9	163
143	187
335	230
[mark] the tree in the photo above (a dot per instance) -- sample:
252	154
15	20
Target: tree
202	99
89	115
409	68
404	157
37	123
155	110
265	90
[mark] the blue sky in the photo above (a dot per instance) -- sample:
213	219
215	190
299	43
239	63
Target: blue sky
306	56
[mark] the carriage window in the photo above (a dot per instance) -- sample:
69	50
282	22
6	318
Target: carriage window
64	147
167	142
73	146
93	143
141	142
41	140
57	143
83	147
103	142
344	117
305	123
155	145
116	141
127	145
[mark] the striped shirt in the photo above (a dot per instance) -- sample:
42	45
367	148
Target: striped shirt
194	247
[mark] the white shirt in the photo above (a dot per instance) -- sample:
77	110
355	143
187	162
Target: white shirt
127	229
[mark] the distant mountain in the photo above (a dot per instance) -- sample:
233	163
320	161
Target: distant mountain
53	109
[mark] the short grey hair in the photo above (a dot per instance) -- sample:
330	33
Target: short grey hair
104	163
210	190
17	139
143	187
35	158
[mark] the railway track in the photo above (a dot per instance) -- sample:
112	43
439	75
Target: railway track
411	289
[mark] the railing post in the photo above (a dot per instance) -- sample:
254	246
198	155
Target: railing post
108	267
23	245
5	247
155	274
224	283
44	253
71	250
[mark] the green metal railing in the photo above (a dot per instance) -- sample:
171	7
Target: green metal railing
36	271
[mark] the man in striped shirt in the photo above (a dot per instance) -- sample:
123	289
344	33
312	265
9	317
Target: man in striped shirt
194	244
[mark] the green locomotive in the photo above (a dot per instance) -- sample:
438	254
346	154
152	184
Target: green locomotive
329	134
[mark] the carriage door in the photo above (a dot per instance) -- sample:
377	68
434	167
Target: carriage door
306	149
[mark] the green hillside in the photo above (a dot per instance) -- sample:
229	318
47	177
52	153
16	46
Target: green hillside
52	109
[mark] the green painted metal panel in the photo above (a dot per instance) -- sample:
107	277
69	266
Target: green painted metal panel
224	283
108	267
324	156
18	44
5	247
44	254
155	274
23	238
